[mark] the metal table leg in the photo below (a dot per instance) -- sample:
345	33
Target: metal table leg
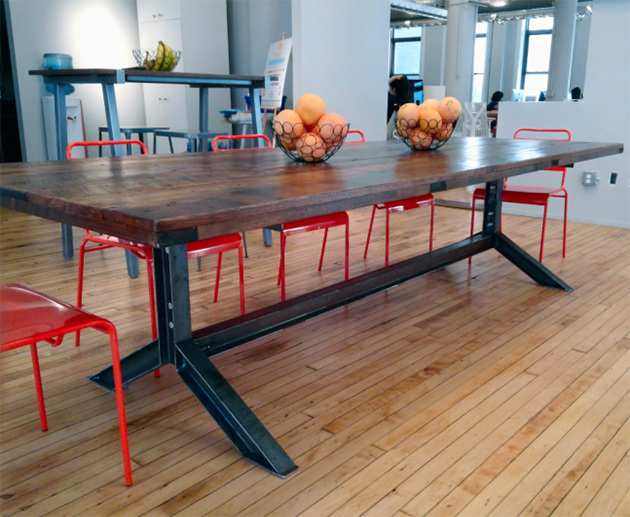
510	250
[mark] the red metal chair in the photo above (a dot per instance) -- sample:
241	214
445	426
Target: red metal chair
196	249
322	222
28	317
532	195
401	205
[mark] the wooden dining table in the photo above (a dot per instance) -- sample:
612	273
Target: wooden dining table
169	201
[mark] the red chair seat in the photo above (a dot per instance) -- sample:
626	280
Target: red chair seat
320	222
28	317
400	205
524	194
214	245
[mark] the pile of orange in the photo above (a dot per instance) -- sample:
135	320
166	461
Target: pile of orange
431	121
309	130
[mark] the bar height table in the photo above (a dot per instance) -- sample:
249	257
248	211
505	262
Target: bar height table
107	78
212	194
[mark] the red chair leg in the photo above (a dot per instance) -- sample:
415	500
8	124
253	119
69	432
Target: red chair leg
347	250
283	241
80	285
431	226
241	278
120	402
542	238
386	238
216	283
472	225
321	257
38	387
367	244
564	234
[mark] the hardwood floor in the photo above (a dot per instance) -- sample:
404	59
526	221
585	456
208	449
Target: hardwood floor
469	391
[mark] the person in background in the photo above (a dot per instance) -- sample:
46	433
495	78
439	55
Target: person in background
398	94
492	108
493	105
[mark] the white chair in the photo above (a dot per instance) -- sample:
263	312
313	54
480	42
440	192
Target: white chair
473	120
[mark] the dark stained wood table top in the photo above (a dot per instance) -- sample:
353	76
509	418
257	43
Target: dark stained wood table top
162	200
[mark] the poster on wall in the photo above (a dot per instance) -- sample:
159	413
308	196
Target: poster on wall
276	69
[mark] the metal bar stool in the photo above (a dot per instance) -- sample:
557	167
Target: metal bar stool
194	137
28	317
128	131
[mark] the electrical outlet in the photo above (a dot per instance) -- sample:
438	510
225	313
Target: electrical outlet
589	179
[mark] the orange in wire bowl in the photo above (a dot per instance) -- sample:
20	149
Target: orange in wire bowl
318	143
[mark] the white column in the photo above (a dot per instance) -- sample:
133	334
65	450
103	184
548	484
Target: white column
512	62
460	48
563	36
487	70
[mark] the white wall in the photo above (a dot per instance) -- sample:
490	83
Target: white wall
603	116
253	26
97	34
340	52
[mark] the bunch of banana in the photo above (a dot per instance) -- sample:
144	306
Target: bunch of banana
165	59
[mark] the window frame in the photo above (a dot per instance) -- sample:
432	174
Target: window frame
528	33
392	56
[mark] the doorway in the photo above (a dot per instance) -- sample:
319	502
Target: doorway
10	145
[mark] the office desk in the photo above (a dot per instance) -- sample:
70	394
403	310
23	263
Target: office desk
107	78
167	201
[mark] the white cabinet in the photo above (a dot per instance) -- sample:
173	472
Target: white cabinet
157	10
165	104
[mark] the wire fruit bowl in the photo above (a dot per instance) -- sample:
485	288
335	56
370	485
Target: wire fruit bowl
143	56
424	135
316	146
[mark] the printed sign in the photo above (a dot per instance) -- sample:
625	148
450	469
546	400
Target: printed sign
277	63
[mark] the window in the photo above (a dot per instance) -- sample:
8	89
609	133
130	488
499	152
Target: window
536	56
405	51
479	63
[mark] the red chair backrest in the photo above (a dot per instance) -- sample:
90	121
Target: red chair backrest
356	132
100	143
564	135
143	148
215	142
